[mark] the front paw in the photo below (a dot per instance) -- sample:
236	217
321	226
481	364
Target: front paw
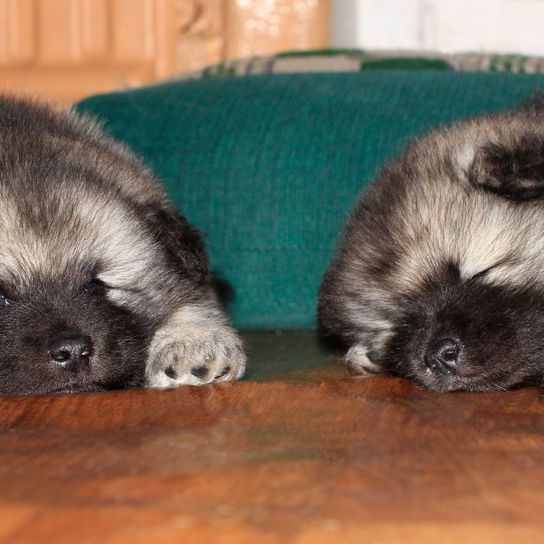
358	362
213	358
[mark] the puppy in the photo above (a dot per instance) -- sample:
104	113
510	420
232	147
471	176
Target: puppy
439	274
103	284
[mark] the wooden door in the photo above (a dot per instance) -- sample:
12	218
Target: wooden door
66	49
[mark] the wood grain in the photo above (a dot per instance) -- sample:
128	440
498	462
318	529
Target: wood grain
350	460
67	49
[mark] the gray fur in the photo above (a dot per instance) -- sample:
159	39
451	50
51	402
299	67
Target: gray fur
76	206
456	221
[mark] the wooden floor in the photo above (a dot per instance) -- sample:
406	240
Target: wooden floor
329	460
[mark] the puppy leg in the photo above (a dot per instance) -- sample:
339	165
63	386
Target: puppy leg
359	362
195	346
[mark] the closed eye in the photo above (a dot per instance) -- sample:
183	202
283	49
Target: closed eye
483	273
509	260
5	296
95	286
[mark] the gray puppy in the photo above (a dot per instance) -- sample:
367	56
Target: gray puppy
103	284
439	275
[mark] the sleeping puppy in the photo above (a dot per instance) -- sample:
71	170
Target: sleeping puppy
439	275
103	284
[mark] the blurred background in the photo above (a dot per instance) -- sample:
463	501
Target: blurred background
67	49
450	26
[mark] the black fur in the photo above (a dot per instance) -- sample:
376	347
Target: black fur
496	327
514	169
29	324
183	243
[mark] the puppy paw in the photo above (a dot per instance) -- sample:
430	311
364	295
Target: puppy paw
358	362
199	358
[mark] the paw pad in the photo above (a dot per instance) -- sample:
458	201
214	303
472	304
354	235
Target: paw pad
200	371
225	371
195	363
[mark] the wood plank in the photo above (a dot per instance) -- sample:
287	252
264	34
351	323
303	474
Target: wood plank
133	30
94	31
67	49
16	31
349	460
58	32
199	30
271	26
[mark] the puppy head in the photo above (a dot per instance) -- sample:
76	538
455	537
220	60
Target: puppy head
78	280
440	277
474	316
67	336
468	334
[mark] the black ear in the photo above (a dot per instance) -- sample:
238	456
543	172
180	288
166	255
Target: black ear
513	166
183	243
513	169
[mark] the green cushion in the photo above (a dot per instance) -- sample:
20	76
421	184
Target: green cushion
269	166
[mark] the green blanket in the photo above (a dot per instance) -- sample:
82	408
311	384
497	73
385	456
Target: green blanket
268	166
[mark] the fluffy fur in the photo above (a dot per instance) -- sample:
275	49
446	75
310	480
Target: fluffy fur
439	274
103	284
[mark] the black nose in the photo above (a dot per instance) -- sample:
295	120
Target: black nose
444	355
70	351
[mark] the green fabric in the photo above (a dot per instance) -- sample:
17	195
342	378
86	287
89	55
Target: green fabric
269	166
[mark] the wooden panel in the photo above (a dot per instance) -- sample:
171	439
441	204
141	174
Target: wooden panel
268	26
200	31
94	28
66	49
16	31
66	84
133	30
58	31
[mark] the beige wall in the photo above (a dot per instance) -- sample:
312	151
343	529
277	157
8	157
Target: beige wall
66	49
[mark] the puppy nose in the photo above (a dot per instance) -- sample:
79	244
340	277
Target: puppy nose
70	351
444	355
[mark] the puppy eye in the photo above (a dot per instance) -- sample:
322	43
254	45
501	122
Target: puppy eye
483	273
95	286
5	301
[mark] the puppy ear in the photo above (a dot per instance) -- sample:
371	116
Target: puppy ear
513	169
513	166
182	242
